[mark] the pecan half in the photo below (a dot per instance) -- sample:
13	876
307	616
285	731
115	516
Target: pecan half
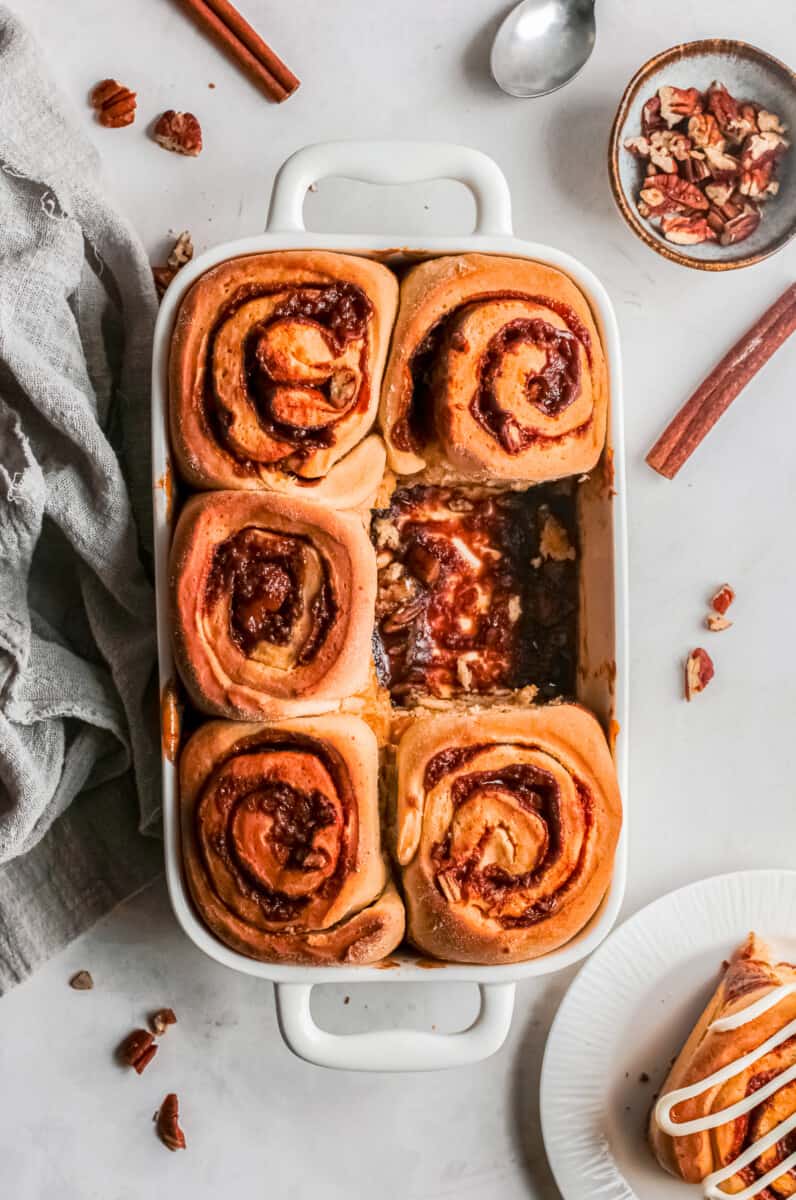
721	599
178	131
699	671
160	1020
114	104
671	194
677	103
687	231
138	1049
168	1123
735	122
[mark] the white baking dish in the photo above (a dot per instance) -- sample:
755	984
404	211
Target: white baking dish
603	639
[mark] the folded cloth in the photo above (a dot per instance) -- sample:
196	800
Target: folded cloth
77	650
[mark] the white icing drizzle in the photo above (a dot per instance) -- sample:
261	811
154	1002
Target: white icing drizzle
669	1101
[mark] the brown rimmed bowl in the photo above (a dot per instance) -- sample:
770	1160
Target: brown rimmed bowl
749	74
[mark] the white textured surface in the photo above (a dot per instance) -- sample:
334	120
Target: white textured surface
629	1012
712	781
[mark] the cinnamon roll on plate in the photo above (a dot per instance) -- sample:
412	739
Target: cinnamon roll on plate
275	370
726	1116
496	373
272	603
506	827
281	842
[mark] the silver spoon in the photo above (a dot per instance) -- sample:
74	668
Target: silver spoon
541	45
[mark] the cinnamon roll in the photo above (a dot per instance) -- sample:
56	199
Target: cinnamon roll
272	603
275	369
506	827
496	372
281	842
726	1117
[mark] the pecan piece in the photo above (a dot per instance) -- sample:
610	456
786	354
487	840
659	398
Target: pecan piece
670	193
181	253
677	103
651	118
178	131
740	227
735	121
719	193
82	981
703	130
769	122
723	166
716	622
722	598
667	148
114	104
640	146
138	1049
699	671
687	231
168	1123
402	616
160	1020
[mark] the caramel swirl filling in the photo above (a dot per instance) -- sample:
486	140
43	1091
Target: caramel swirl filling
278	830
274	593
285	368
510	828
517	360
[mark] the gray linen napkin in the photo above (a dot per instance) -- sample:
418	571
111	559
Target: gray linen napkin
77	692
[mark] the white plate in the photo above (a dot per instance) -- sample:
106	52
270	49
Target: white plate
625	1016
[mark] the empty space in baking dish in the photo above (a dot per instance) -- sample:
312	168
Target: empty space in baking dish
600	677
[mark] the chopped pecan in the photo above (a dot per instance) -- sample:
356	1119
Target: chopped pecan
733	121
719	193
554	540
168	1123
182	251
160	1020
762	147
687	231
178	131
723	166
695	169
740	227
722	598
699	671
82	981
667	148
769	122
138	1049
670	193
651	118
640	146
716	622
756	181
703	130
403	616
677	103
114	104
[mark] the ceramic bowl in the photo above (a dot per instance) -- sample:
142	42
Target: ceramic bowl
748	74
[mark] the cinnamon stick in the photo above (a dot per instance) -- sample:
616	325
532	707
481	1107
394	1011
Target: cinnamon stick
714	396
225	25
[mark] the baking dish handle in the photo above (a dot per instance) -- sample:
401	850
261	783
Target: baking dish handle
391	162
393	1049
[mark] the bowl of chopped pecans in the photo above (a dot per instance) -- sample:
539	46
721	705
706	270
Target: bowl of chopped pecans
701	160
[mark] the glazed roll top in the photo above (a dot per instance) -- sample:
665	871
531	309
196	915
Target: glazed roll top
496	372
726	1115
506	830
272	601
276	366
281	840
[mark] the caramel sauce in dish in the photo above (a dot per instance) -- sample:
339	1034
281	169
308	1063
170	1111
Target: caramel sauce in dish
471	599
711	1185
